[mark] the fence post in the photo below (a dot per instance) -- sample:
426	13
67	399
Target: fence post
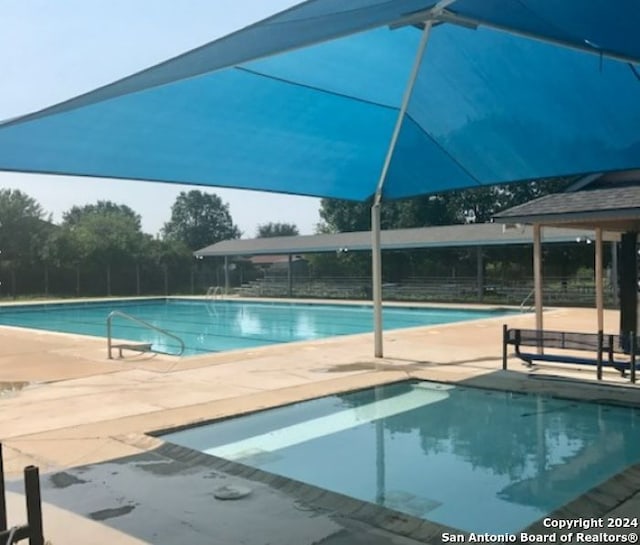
600	343
166	279
34	505
632	336
3	501
504	347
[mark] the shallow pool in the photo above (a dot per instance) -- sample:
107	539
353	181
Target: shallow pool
221	325
472	459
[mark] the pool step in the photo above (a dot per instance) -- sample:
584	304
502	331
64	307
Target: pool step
138	347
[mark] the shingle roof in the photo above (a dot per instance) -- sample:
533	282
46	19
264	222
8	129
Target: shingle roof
481	234
614	203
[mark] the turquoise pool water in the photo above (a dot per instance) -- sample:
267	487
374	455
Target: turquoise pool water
472	459
221	325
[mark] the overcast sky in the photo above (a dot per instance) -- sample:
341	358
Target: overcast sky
51	51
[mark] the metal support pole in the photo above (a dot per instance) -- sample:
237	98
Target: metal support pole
34	505
480	272
376	277
109	338
226	275
376	251
632	339
165	269
599	280
504	346
290	276
599	358
537	276
3	500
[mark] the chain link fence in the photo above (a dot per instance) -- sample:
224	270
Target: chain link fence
148	280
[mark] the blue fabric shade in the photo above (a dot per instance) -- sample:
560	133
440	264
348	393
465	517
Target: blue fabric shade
305	103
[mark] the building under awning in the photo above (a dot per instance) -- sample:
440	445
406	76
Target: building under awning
449	236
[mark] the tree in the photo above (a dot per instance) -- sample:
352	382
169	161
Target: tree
439	209
104	234
199	219
23	226
24	231
102	208
268	230
346	216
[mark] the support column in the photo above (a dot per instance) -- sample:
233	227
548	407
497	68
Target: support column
226	275
599	280
376	251
628	284
537	273
290	276
480	272
614	281
376	278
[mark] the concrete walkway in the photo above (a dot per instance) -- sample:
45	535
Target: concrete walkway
64	404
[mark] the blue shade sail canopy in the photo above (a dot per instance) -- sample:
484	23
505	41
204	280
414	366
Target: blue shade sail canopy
305	102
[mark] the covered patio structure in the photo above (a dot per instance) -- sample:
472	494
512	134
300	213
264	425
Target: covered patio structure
477	236
608	204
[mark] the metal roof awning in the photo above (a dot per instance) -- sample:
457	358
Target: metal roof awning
482	234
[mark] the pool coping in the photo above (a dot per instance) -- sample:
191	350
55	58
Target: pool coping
321	499
596	502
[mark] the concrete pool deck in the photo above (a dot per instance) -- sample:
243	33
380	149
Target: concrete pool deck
64	404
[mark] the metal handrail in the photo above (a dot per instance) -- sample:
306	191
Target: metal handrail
212	291
114	313
526	299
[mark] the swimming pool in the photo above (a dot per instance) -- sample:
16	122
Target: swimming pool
472	459
221	325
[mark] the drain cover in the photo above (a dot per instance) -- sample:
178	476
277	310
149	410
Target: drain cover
231	492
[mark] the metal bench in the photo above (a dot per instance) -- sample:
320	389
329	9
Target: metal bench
616	351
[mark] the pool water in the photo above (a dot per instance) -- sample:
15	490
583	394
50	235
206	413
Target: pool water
472	459
221	325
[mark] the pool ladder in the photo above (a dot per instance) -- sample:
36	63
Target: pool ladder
214	292
138	347
524	301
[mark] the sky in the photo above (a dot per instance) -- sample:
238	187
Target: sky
52	51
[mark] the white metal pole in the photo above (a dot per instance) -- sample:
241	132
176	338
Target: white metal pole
376	278
599	280
376	250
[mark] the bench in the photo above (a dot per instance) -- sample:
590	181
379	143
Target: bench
616	351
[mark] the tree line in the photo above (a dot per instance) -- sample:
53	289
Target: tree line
100	249
96	245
